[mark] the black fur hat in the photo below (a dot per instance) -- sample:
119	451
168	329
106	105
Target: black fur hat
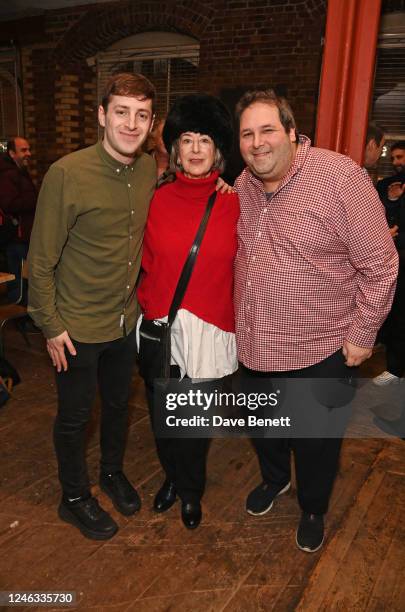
202	114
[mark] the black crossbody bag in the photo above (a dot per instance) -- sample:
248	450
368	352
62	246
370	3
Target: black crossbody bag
154	335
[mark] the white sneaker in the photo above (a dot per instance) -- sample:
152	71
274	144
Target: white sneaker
386	378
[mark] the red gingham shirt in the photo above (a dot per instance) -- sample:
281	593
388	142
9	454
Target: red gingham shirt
315	265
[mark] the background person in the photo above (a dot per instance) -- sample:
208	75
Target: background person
84	261
375	141
18	198
156	147
392	194
198	134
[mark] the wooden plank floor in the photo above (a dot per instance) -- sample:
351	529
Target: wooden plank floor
233	562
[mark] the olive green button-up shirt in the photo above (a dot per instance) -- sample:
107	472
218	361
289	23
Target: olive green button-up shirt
86	245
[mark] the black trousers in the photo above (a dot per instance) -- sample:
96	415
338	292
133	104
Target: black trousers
108	364
183	459
393	330
316	459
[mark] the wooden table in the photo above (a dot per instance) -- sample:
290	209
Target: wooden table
5	276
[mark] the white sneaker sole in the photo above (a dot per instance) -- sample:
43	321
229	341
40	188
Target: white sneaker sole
284	490
305	548
384	382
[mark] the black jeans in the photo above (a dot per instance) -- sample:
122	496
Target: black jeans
316	459
393	330
182	459
108	364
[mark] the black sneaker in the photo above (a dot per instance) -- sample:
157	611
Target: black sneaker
309	537
123	495
87	515
260	500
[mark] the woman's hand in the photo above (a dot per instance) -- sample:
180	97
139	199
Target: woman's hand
223	187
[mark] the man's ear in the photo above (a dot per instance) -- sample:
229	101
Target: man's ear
101	116
372	145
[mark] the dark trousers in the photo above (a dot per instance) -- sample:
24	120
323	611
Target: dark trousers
108	364
393	330
182	459
16	252
316	459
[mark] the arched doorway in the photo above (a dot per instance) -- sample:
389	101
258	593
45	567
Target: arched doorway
168	59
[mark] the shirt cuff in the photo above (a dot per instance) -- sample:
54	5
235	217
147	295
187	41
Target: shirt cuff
364	338
50	329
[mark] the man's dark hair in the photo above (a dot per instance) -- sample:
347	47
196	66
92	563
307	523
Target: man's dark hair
128	84
399	144
268	96
374	132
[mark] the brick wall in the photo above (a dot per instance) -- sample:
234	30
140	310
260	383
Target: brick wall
242	43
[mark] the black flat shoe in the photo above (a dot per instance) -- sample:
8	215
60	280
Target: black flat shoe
191	514
165	497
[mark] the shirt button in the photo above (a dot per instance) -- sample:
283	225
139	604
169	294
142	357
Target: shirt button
132	212
248	307
259	234
130	263
264	209
130	237
248	329
117	170
249	283
129	184
127	286
254	257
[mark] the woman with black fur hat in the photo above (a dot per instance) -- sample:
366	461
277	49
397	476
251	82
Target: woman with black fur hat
198	136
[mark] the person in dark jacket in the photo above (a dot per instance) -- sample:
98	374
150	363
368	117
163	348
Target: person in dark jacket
18	198
392	194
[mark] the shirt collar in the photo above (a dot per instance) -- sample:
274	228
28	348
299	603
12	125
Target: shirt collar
110	161
299	160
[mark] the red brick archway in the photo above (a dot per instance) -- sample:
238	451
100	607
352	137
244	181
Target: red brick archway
103	24
101	27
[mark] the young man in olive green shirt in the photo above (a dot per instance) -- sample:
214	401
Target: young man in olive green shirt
84	260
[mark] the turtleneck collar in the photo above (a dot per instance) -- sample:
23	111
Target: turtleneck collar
197	188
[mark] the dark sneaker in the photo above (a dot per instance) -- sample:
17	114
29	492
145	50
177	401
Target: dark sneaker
123	495
260	500
88	516
309	536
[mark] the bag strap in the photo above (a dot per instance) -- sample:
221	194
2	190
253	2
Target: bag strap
190	261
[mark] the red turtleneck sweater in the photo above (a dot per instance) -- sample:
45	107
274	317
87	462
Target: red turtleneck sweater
175	214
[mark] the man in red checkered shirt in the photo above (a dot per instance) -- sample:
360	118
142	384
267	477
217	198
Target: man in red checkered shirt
315	275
